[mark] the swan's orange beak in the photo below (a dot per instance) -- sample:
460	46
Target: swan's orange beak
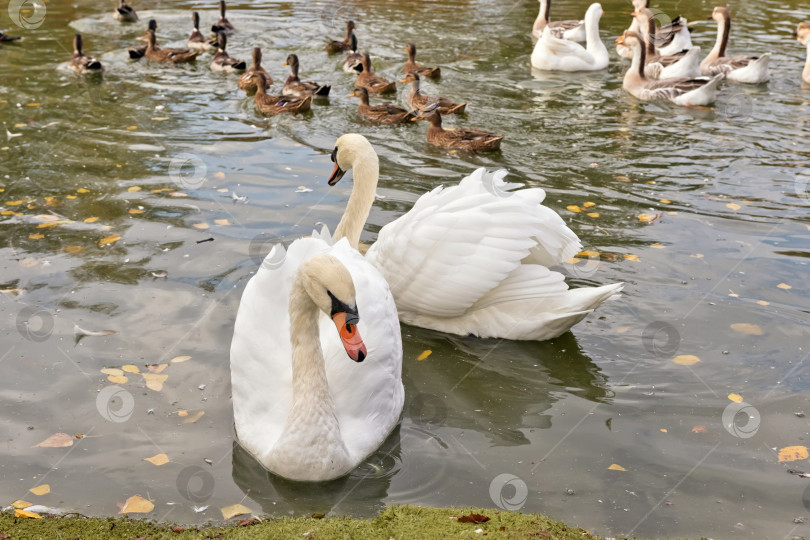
350	335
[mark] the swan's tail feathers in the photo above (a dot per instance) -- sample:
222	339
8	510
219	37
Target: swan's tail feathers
324	235
491	182
556	242
590	298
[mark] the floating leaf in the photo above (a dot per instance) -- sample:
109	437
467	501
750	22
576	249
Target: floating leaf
57	440
665	201
36	236
178	359
19	504
700	429
109	239
13	203
219	175
222	222
178	194
763	303
663	430
592	214
158	459
133	189
136	505
793	453
34	104
424	355
686	359
91	220
192	419
784	286
616	467
588	254
154	381
11	291
657	246
26	514
649	218
235	510
736	398
82	190
42	489
132	128
136	211
748	329
131	368
160	118
201	225
223	190
630	257
182	413
73	249
71	196
573	208
733	206
588	204
156	368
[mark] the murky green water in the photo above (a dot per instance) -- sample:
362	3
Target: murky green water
730	182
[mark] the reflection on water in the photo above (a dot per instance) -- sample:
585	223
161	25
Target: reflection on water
140	202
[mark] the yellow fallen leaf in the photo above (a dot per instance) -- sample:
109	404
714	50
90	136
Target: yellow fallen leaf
109	239
663	430
157	368
133	189
131	368
223	190
36	236
117	379
136	211
784	286
219	175
589	204
82	190
657	246
573	208
222	222
57	440
593	214
182	413
178	359
192	419
733	206
200	225
686	359
746	328
763	303
736	398
646	218
158	459
665	201
424	355
73	249
11	291
178	194
91	220
622	178
71	196
26	514
630	257
19	504
235	510
112	371
13	203
572	260
136	505
20	125
793	453
6	212
132	128
154	381
616	467
700	429
53	223
33	104
588	254
42	489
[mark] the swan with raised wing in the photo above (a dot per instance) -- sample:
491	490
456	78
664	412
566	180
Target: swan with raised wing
554	54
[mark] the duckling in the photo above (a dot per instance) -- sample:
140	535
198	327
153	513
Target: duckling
298	88
136	53
386	113
744	69
345	45
247	82
412	67
79	62
273	105
125	13
222	61
471	139
418	101
6	37
174	56
197	41
354	60
223	24
373	82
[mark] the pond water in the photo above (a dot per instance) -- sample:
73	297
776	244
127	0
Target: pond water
176	162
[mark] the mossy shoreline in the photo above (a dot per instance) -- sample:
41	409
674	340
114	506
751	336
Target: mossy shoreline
398	522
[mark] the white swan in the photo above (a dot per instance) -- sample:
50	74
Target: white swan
470	259
744	69
572	30
301	407
554	54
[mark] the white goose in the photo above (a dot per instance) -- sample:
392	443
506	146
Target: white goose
301	407
571	30
670	39
470	259
553	54
744	69
659	66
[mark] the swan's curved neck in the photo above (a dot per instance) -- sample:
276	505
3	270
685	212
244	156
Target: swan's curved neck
366	174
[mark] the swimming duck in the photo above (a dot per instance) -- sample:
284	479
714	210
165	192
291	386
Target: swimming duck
354	60
373	82
197	41
744	69
174	56
5	37
138	52
298	88
571	30
386	113
685	64
125	13
247	82
417	100
686	92
273	105
345	45
471	139
412	67
222	61
223	24
554	54
81	63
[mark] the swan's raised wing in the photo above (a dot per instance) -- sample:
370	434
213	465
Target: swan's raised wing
458	243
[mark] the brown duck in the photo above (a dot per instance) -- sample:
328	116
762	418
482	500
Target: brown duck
373	82
273	105
298	88
412	67
386	113
136	53
197	40
80	62
224	62
223	24
247	82
418	101
174	56
474	140
346	44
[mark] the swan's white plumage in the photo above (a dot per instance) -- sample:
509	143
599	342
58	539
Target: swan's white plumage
554	54
368	396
